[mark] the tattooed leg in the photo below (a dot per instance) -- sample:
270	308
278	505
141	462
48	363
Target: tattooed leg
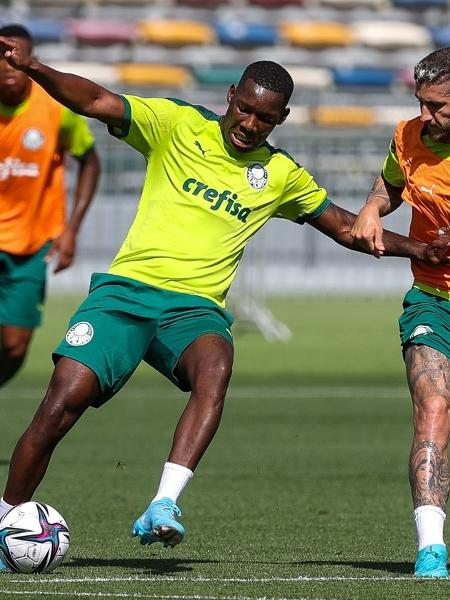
429	382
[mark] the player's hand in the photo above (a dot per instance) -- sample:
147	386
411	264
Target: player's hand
437	252
63	248
14	54
367	230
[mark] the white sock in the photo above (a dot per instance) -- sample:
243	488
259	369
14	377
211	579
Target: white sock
174	479
430	525
4	507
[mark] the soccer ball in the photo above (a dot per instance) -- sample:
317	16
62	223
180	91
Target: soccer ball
34	538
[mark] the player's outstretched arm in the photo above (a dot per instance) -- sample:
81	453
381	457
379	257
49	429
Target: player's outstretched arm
382	199
337	223
77	93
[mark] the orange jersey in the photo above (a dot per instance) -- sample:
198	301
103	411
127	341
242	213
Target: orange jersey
427	190
32	190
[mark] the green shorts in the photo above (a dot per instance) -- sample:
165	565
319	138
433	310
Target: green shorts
22	288
425	320
124	321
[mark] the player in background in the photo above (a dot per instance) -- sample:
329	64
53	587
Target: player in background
35	133
212	182
417	171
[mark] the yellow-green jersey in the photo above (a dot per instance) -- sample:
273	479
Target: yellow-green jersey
202	200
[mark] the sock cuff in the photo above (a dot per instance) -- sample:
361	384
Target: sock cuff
174	467
427	508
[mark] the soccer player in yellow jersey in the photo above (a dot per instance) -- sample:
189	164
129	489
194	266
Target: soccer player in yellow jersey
417	171
35	133
211	183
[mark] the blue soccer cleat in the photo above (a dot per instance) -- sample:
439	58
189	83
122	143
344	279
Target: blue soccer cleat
432	561
158	524
3	567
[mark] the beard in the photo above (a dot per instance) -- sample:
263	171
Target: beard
439	134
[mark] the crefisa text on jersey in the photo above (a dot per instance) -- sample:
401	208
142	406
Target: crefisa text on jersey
226	199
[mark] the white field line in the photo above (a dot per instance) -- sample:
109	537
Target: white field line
138	595
173	579
288	392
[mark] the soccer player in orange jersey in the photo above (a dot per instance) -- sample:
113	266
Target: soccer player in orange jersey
417	171
35	133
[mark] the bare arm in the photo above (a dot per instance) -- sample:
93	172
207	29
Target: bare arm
382	199
337	223
77	93
88	174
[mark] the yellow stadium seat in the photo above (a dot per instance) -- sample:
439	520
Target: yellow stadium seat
343	116
176	33
311	34
153	74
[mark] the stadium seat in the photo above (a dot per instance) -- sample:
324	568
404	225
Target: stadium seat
276	3
420	4
245	35
353	4
406	77
105	74
312	34
45	30
203	3
217	75
101	32
441	36
153	75
390	34
392	115
311	77
363	76
176	33
343	116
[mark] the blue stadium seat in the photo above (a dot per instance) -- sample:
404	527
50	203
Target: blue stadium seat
363	76
245	35
441	35
45	30
420	4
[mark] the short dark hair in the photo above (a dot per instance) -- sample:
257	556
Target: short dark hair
14	30
271	76
434	68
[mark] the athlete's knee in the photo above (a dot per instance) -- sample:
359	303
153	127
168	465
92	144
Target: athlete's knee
15	349
67	398
431	413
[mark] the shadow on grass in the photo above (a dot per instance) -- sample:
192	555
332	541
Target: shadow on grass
4	462
405	568
157	566
167	566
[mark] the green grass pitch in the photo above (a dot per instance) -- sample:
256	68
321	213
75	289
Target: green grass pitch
303	494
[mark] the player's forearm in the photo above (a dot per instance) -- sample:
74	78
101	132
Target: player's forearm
382	198
337	223
88	176
395	244
77	93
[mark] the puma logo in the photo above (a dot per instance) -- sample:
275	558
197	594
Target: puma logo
428	190
199	146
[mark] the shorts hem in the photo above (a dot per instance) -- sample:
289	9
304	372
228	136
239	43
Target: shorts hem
424	342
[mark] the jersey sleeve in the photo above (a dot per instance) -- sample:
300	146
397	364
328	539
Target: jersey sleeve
392	172
75	135
147	122
303	198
